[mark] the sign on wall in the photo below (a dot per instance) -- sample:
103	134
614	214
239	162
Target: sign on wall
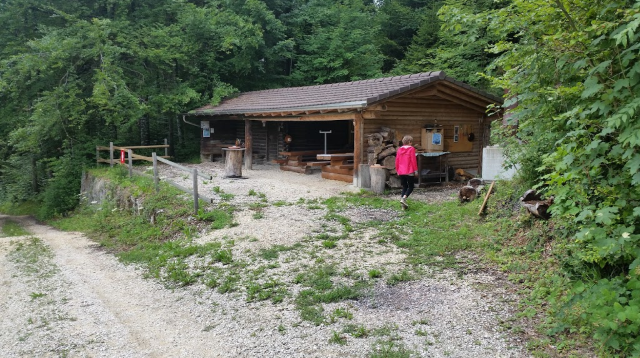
206	130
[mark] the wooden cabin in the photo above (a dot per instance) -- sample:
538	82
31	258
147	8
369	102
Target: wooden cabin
274	123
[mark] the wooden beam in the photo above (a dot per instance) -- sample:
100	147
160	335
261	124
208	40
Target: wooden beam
248	145
358	136
311	118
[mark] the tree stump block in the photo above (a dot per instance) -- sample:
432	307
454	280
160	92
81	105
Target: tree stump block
365	176
378	178
233	162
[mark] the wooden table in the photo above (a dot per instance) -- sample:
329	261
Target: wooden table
340	166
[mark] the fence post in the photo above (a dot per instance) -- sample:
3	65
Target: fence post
111	154
166	150
155	170
130	152
195	190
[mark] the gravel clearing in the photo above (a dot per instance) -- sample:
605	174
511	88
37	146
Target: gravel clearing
82	302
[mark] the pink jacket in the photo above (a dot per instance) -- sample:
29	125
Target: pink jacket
406	162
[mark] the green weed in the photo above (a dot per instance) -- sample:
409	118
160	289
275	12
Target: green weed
11	228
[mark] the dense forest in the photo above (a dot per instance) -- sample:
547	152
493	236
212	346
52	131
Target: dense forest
76	74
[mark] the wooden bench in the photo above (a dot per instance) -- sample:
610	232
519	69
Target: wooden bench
301	161
340	167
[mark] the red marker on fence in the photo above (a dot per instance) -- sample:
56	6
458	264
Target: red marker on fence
122	156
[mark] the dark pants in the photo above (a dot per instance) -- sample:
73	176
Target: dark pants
407	184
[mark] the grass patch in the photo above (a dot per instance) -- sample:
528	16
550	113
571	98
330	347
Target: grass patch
11	228
320	289
19	209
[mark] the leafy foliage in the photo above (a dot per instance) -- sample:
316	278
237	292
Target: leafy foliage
573	79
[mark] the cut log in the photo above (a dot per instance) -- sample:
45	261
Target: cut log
233	163
394	182
364	176
476	182
467	193
388	134
371	159
389	162
461	174
375	139
378	178
390	150
532	201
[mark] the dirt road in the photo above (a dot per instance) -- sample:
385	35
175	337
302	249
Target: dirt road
80	301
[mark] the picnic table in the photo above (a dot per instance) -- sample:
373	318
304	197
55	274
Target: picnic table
340	166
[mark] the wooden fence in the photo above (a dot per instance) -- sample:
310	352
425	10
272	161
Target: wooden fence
155	159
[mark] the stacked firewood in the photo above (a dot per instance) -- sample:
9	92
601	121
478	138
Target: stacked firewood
382	151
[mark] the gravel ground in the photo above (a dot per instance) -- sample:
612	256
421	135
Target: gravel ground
80	301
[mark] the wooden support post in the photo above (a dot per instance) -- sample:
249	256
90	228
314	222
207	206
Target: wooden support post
195	190
248	145
97	157
166	150
111	154
155	171
130	153
358	129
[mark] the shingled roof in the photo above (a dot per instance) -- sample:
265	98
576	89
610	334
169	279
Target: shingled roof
337	96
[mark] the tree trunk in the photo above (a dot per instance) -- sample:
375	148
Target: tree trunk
233	163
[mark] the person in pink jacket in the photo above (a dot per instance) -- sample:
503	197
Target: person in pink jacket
407	168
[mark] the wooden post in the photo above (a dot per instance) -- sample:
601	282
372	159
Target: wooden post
378	178
248	144
166	150
233	163
155	171
97	157
357	146
195	190
130	153
111	154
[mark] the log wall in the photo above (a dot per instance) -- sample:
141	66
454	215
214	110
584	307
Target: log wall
409	117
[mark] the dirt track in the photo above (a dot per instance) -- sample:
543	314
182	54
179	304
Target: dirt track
93	306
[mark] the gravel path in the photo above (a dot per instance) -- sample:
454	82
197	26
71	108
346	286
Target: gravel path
77	300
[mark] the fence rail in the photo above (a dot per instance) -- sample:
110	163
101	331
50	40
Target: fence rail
155	159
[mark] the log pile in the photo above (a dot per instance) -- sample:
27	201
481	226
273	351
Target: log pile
537	207
382	151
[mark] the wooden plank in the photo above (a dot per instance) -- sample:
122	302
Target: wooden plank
307	118
335	156
318	164
486	197
345	166
358	136
279	161
340	177
307	152
337	170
